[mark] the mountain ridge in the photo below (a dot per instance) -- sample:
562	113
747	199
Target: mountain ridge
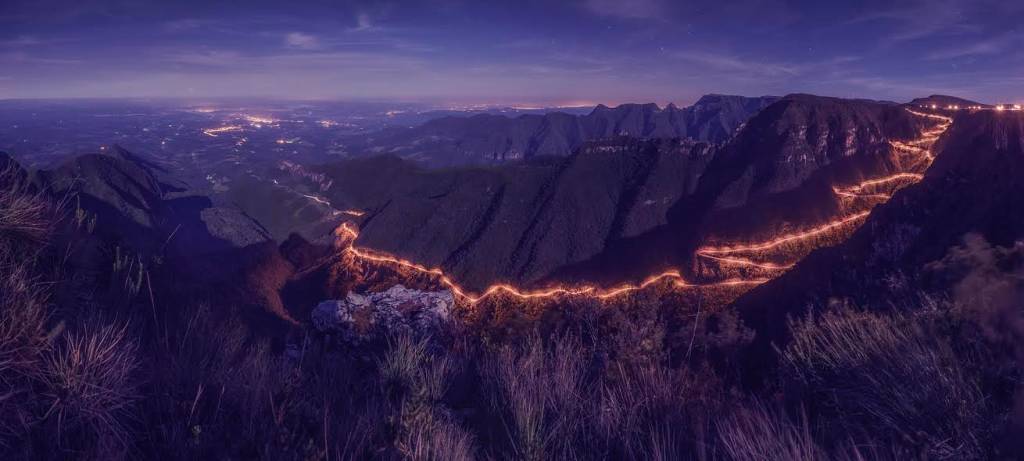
488	138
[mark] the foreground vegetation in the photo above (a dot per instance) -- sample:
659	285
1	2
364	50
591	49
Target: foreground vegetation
111	356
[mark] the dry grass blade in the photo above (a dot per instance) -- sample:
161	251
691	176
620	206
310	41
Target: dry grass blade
90	383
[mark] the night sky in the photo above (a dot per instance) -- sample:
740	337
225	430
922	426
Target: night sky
511	52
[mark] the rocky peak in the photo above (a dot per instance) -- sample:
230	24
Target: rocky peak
399	310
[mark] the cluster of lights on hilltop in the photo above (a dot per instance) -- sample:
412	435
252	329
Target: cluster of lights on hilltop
730	254
997	107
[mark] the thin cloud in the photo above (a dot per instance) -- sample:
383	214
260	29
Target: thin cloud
220	60
21	57
364	23
727	63
923	19
181	25
301	40
994	46
627	9
22	41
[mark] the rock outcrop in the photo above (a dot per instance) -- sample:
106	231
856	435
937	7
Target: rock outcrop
399	310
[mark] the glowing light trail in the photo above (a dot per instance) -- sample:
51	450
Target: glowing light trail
348	235
746	262
814	232
921	146
317	199
857	191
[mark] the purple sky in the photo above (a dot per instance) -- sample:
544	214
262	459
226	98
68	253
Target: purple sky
511	52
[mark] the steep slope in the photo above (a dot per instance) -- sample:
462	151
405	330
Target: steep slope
494	138
117	195
775	177
621	211
518	223
976	185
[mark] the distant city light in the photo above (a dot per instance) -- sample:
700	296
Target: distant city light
213	132
258	120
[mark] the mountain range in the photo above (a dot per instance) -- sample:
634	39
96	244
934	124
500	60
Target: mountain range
857	264
620	208
489	138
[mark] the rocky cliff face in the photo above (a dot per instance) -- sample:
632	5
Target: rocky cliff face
975	187
518	223
775	176
496	138
621	209
783	165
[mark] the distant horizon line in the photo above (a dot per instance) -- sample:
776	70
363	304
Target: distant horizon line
438	104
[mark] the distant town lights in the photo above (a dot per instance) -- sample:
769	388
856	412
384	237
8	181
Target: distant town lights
258	120
213	132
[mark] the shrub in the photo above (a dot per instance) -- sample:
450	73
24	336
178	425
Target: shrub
756	433
25	216
23	341
539	394
90	388
644	409
418	380
435	439
24	226
891	378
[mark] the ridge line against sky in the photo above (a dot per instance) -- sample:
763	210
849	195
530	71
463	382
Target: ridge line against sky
530	52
